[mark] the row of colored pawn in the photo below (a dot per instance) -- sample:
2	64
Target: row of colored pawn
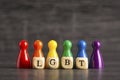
52	60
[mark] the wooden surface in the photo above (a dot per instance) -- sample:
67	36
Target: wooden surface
59	74
59	20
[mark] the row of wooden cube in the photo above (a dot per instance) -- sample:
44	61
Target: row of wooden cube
55	63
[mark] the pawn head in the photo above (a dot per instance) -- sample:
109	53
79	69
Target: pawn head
67	44
23	44
52	44
96	44
38	44
82	44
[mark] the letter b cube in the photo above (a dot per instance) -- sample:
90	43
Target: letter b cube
67	62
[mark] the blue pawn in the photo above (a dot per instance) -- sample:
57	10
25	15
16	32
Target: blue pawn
82	49
82	59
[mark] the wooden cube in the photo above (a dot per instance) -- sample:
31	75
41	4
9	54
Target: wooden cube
67	62
53	63
38	62
81	63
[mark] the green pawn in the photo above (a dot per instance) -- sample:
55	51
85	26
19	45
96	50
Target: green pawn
67	57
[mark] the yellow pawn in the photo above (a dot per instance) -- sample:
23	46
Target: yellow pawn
52	60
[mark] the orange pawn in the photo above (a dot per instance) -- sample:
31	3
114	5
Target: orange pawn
38	60
23	60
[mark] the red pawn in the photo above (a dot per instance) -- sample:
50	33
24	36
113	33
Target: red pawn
23	60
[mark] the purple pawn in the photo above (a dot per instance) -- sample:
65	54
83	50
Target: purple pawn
96	60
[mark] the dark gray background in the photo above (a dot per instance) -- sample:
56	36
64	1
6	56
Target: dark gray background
60	20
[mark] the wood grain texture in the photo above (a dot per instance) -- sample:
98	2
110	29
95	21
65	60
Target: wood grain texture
38	62
59	20
67	62
52	63
82	63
